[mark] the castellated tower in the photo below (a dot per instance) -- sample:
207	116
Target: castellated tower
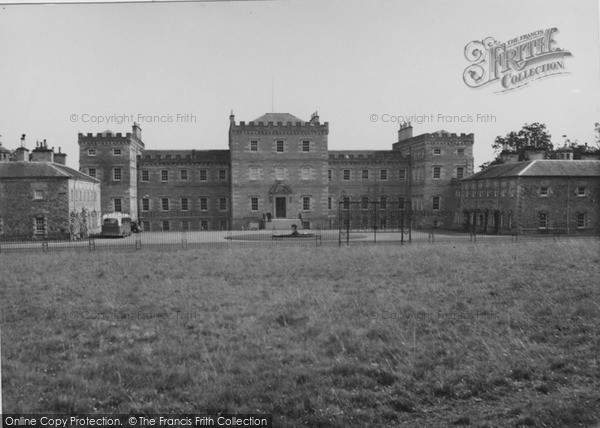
112	158
279	164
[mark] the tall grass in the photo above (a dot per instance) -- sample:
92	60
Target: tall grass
498	335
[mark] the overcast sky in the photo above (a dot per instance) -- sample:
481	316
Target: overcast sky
63	64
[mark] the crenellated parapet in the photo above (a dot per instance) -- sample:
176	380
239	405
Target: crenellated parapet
298	127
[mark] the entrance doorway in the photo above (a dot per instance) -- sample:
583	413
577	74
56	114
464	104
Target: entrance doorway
280	210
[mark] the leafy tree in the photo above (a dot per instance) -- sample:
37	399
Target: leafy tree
530	136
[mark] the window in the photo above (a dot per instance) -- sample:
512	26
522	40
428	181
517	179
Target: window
306	146
435	203
437	151
383	202
460	152
384	174
542	220
117	205
346	174
202	175
402	174
437	172
116	152
92	172
306	225
145	204
346	203
185	225
280	146
306	203
254	146
305	173
91	152
543	191
204	224
223	204
146	225
203	204
253	173
117	174
164	204
365	174
145	175
185	204
460	172
580	220
254	203
401	202
329	174
39	224
279	173
38	194
166	225
222	174
580	191
383	223
183	174
364	203
164	175
329	202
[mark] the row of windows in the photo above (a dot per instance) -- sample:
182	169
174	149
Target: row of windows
184	175
184	204
510	192
280	146
365	174
116	152
544	220
436	203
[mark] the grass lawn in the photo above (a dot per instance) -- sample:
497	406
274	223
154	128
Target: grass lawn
484	336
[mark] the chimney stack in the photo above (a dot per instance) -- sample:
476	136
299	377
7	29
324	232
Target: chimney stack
42	153
314	118
405	131
60	158
22	153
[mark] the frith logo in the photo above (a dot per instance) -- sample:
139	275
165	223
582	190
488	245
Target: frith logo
515	63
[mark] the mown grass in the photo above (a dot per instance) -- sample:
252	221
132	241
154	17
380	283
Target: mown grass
484	336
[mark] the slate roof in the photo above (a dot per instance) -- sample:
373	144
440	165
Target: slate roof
41	170
541	168
278	117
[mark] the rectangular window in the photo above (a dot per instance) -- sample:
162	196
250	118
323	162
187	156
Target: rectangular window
145	204
185	204
39	224
365	174
306	225
280	146
306	203
164	175
346	203
384	174
437	172
117	174
461	152
254	203
253	173
306	146
1	226
329	174
383	202
164	204
117	205
223	204
581	191
166	225
401	202
222	174
185	225
203	204
542	220
146	225
279	173
346	174
204	224
543	191
364	203
436	203
402	174
91	152
183	174
145	175
254	146
92	172
116	152
202	175
460	172
305	173
38	195
329	202
437	151
580	220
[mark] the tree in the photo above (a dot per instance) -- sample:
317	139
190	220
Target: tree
530	136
